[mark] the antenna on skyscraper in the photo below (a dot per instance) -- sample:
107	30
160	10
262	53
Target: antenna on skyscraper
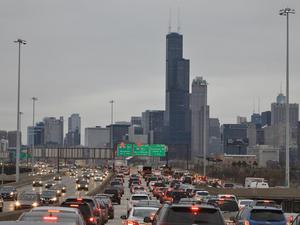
253	105
258	104
170	20
280	87
178	20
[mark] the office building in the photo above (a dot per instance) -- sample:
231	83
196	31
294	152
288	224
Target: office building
136	120
119	132
256	119
74	130
136	135
214	145
266	118
53	133
152	123
3	134
264	154
234	139
241	119
38	132
199	117
3	145
177	112
12	139
97	137
278	111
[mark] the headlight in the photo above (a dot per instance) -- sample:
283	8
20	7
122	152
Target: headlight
11	193
54	199
40	182
64	188
78	185
58	191
35	204
86	185
18	203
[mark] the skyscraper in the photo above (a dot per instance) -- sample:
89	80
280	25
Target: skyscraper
200	117
177	113
53	131
74	130
38	132
152	123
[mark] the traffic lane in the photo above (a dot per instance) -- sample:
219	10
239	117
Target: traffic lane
68	181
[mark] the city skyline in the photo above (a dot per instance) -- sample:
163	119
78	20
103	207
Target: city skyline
92	99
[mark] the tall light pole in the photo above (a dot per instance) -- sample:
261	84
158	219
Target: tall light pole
111	131
20	42
34	99
285	12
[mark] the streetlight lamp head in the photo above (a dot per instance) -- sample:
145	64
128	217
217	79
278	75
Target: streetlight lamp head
20	41
286	11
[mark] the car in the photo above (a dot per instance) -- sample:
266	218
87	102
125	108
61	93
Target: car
228	207
173	196
27	199
227	196
9	193
104	210
262	215
106	199
62	187
57	189
137	215
135	198
114	193
37	183
82	185
49	197
57	178
52	217
188	214
85	209
1	204
98	178
271	203
55	209
94	204
200	195
49	185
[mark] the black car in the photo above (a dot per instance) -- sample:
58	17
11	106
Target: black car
82	185
37	183
49	185
108	202
114	193
188	215
9	193
49	197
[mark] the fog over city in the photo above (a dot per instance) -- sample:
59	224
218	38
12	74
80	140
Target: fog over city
82	54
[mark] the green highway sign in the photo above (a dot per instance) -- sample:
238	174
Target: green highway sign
142	150
155	150
124	149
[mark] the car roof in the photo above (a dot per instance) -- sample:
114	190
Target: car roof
265	207
207	206
139	194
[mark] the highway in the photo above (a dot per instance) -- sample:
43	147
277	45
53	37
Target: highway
66	180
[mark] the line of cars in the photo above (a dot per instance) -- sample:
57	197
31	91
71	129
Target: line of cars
182	203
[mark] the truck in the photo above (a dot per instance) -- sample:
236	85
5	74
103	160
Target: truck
147	170
255	181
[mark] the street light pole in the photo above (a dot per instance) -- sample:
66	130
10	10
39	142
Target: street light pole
286	12
20	42
111	132
34	99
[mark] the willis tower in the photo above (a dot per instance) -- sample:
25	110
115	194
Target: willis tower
177	113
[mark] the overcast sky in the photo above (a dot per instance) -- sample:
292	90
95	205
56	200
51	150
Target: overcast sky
81	54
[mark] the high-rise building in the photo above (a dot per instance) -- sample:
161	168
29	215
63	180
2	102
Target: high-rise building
97	137
266	118
241	119
152	123
278	112
3	134
136	120
256	119
199	117
214	145
54	128
12	139
119	132
177	113
234	139
74	130
38	132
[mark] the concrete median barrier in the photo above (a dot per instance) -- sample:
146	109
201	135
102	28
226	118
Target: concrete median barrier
102	186
10	216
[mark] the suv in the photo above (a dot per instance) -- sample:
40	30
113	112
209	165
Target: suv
261	215
187	214
114	193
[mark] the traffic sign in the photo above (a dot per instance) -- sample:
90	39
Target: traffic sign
157	150
142	150
124	149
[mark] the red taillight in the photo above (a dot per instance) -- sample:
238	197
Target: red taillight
195	208
50	218
129	222
291	219
92	219
79	199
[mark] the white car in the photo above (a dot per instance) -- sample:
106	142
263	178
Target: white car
138	214
135	198
199	195
244	202
227	196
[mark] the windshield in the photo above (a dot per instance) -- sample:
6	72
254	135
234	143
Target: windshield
139	197
245	202
202	193
28	197
142	213
228	206
267	215
185	215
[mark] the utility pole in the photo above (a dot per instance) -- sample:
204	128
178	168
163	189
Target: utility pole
111	132
285	12
18	144
34	99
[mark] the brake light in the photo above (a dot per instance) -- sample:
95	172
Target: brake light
246	222
291	218
76	206
79	199
53	211
195	208
92	219
129	222
50	218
